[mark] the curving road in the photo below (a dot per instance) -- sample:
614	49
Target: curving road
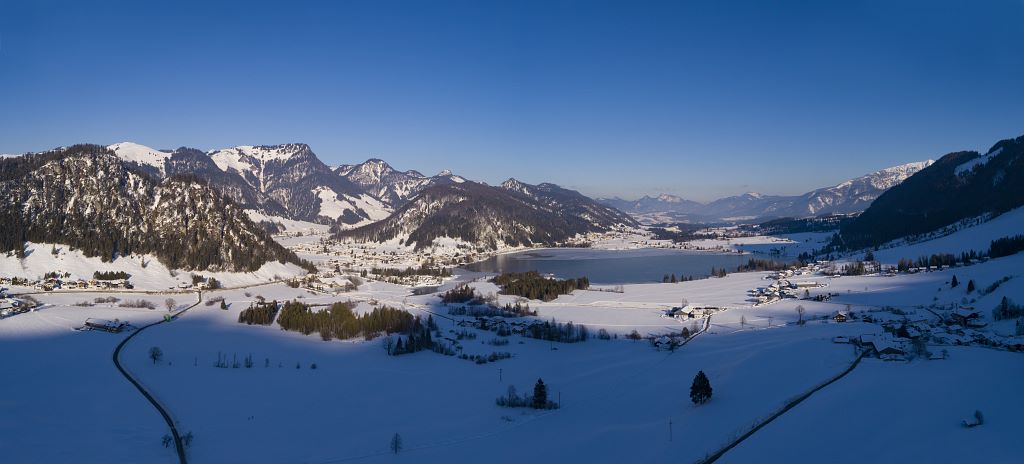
178	445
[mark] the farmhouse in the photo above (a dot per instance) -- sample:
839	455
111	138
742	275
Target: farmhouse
883	346
113	326
967	317
840	317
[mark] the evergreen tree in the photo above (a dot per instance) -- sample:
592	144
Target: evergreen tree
540	395
954	282
970	286
700	391
396	443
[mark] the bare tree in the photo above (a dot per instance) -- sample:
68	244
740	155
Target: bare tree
155	353
800	312
743	321
170	304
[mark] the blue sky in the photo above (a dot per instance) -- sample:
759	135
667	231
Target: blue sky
700	99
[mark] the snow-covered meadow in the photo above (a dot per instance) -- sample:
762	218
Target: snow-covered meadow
618	396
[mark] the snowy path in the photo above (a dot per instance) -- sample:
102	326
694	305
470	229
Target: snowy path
179	446
790	405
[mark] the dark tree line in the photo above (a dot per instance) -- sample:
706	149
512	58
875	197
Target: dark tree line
534	286
762	265
417	338
935	260
508	310
555	331
260	312
461	294
111	275
1006	246
672	279
339	321
1007	309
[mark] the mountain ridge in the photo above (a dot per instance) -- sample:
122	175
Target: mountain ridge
850	196
87	197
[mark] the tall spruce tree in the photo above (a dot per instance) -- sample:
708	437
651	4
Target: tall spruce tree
540	395
700	391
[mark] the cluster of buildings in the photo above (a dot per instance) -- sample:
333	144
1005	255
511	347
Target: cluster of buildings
908	331
788	283
10	306
66	283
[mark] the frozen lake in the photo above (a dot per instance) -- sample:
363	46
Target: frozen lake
612	267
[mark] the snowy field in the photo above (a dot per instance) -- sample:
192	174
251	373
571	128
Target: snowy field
62	398
895	412
147	272
619	396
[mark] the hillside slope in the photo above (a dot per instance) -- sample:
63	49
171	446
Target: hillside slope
486	216
958	186
84	196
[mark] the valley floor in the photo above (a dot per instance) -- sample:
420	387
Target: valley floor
618	396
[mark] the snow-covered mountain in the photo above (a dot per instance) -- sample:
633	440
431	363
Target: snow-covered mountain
856	194
572	203
141	154
379	179
958	186
278	180
307	188
86	197
851	196
489	217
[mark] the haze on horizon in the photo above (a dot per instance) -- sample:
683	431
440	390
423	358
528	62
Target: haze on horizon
700	100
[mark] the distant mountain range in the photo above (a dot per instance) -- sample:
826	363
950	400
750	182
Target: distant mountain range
370	200
958	186
152	198
852	196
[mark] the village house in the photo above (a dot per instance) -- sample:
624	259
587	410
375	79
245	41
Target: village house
113	326
883	346
967	317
